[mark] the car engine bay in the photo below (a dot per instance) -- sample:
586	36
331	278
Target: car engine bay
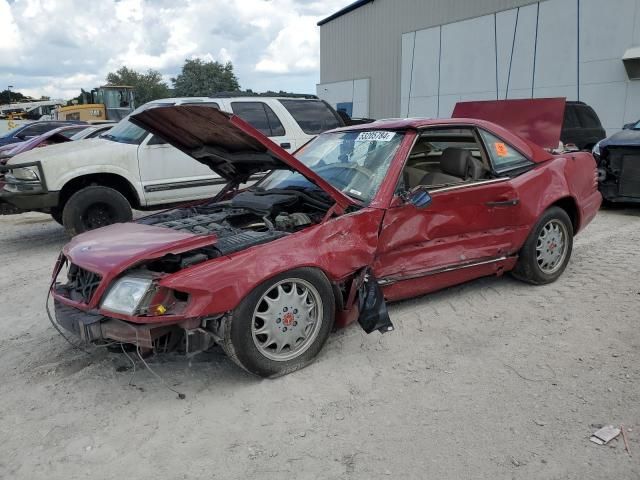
250	218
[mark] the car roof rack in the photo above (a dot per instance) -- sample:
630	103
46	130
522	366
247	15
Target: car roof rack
264	94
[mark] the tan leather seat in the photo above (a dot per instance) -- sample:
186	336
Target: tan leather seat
456	165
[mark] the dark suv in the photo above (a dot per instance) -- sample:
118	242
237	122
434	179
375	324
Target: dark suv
581	126
33	129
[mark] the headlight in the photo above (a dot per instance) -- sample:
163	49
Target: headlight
126	294
596	149
28	174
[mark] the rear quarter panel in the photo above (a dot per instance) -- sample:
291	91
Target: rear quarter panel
569	177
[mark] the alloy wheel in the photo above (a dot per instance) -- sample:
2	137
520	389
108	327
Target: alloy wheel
287	319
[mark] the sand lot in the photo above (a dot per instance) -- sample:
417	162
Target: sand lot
492	379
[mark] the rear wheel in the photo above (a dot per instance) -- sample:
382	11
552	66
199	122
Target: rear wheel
546	252
94	207
282	325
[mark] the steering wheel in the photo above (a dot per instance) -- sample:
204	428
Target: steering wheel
365	172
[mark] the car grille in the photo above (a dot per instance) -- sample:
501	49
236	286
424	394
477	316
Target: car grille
630	176
82	283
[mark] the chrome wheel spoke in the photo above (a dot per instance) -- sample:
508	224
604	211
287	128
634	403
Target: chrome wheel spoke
287	319
551	246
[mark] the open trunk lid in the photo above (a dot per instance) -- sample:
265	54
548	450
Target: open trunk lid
538	120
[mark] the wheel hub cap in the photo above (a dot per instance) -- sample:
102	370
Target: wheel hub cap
287	319
551	247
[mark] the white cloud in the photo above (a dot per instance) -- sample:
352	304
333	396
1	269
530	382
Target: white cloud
293	50
56	47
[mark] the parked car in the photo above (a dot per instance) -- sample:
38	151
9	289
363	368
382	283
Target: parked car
618	159
581	126
389	210
89	184
93	131
52	137
33	129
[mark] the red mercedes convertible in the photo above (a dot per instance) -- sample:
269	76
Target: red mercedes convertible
357	217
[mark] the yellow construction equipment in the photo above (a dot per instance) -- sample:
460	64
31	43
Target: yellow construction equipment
109	102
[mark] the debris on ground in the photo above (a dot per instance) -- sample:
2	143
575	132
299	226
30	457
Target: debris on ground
625	439
605	435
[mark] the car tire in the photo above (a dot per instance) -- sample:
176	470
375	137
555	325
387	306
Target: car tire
94	207
252	350
56	214
547	250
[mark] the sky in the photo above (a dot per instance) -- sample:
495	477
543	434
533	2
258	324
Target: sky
56	47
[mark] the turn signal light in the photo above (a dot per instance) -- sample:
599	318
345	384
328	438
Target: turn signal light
159	309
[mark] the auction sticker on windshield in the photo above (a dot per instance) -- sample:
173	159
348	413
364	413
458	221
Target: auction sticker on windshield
378	136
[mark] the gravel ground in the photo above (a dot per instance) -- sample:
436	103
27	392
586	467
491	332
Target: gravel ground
491	379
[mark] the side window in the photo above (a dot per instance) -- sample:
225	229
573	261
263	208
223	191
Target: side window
71	132
503	156
260	116
570	118
277	130
313	116
588	118
37	129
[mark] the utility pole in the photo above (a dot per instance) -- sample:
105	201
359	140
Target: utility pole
9	90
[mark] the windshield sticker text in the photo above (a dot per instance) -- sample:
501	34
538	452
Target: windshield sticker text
375	137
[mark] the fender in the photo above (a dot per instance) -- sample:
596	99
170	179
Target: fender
97	170
228	280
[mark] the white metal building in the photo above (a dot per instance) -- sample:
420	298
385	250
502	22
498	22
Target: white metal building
399	58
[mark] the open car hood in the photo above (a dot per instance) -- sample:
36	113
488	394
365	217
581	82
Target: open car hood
538	120
227	144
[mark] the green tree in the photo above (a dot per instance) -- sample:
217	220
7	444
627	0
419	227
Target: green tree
146	86
200	79
5	95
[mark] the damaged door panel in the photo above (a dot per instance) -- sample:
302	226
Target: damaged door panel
463	226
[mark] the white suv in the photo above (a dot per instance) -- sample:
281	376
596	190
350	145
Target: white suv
92	183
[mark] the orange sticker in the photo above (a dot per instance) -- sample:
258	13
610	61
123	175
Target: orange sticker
501	149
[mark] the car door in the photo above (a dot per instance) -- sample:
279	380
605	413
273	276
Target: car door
169	176
262	117
468	231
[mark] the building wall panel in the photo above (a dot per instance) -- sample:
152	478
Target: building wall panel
489	49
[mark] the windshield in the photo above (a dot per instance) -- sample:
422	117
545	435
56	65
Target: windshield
126	132
352	162
636	126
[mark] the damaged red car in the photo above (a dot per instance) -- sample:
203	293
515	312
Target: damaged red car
359	216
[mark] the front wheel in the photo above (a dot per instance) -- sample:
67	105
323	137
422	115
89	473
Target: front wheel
546	252
282	325
94	207
56	214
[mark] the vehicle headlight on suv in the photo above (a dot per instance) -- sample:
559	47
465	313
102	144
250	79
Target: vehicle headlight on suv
126	295
596	149
27	174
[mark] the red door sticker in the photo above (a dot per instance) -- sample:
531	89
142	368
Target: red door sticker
501	149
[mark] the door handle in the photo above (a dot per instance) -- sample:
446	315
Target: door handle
285	145
504	203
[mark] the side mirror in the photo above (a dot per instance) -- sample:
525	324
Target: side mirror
419	198
21	136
